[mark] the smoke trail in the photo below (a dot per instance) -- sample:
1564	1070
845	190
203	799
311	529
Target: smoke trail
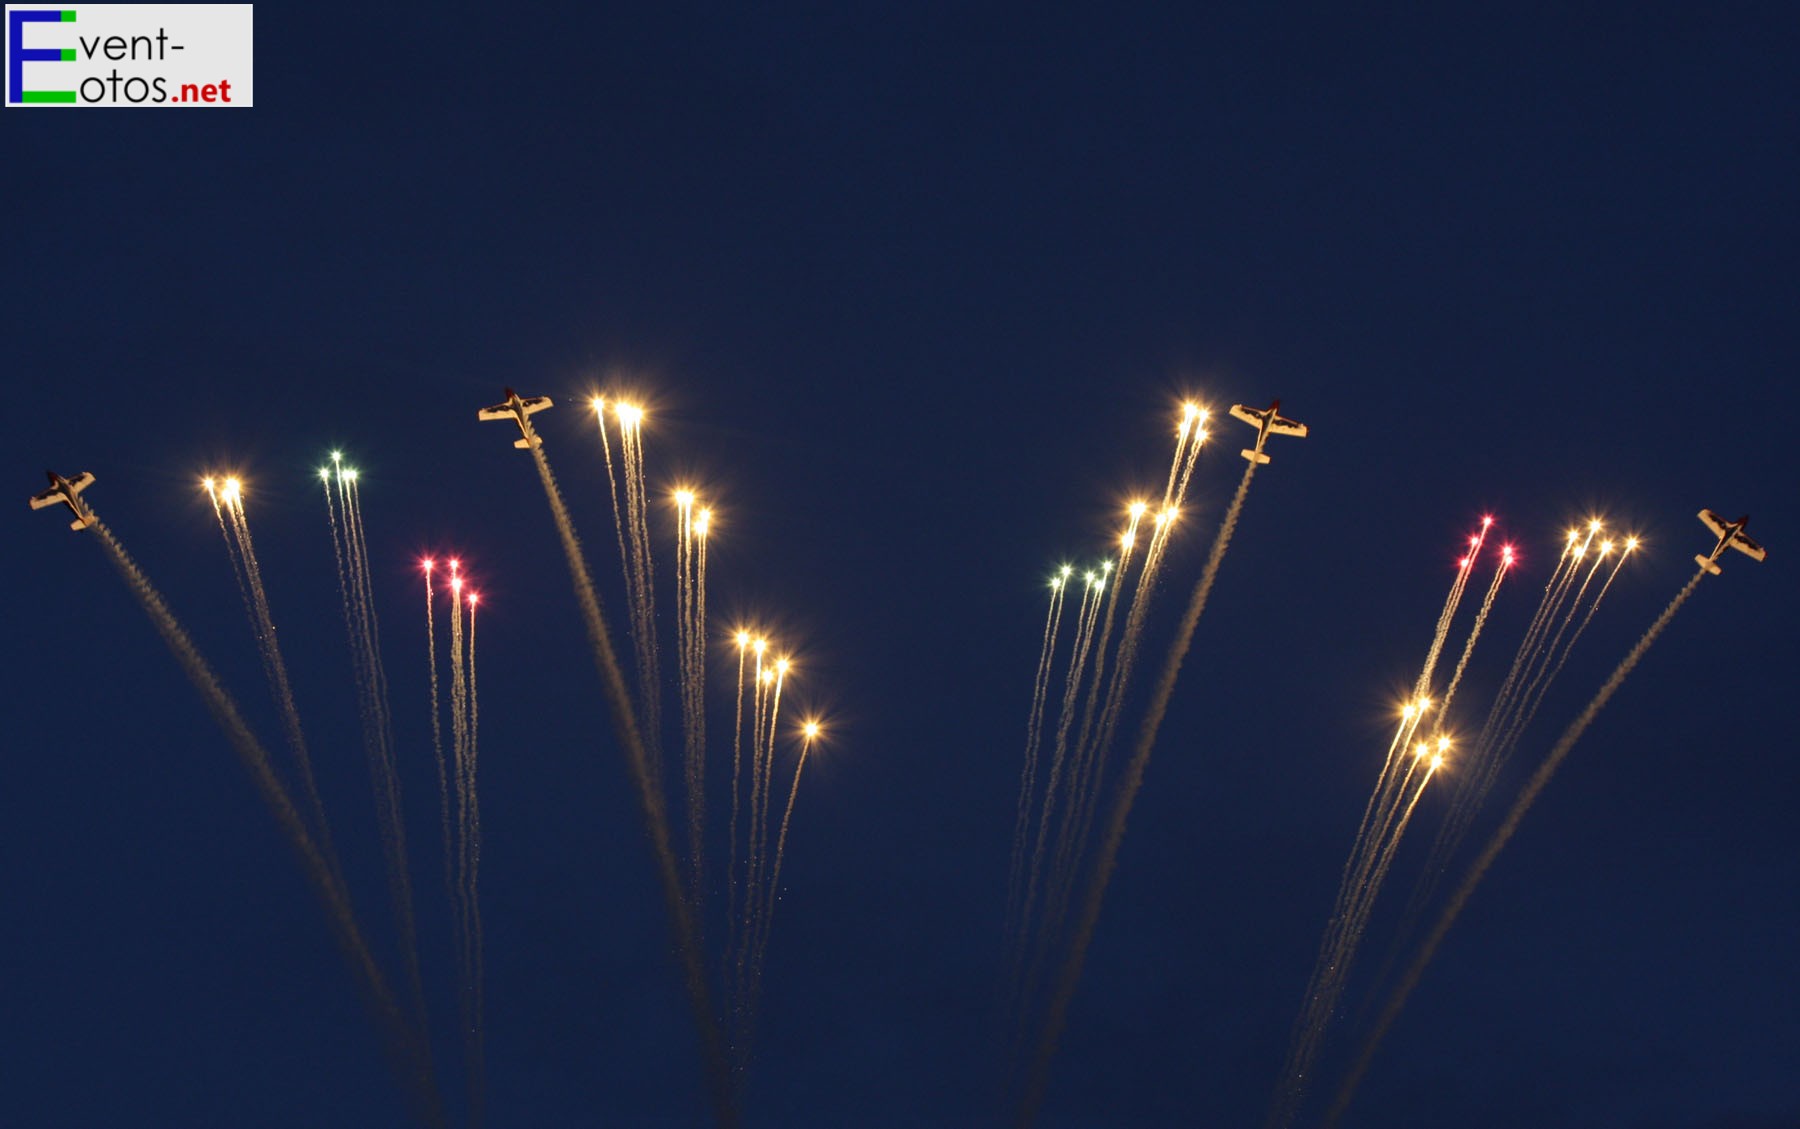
437	736
477	1035
1481	618
768	918
1333	972
1531	701
1479	868
737	760
649	789
644	597
758	900
758	804
1481	767
256	605
1539	619
1034	725
1086	805
1538	683
378	735
1092	773
410	1060
612	493
1081	750
276	669
1129	784
1378	836
459	759
697	722
1086	615
690	647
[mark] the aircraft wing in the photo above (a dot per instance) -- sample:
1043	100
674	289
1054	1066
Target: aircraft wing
1249	415
1749	548
80	482
498	411
535	404
50	497
1712	522
1280	426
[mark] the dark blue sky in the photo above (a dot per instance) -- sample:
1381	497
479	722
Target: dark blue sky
915	292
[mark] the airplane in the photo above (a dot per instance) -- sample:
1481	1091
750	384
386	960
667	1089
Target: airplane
1267	422
66	491
1731	535
516	408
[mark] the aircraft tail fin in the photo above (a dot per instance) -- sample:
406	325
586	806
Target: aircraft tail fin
1254	456
1706	564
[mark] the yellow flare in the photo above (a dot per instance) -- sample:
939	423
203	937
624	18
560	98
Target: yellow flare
599	405
743	639
684	497
1443	743
629	414
761	645
1138	508
811	730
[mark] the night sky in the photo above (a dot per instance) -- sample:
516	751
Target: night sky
914	293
